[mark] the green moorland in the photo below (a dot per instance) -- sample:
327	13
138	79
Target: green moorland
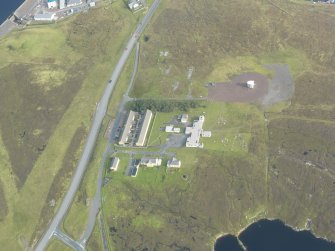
287	170
51	77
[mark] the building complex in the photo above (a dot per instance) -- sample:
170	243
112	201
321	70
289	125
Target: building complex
144	128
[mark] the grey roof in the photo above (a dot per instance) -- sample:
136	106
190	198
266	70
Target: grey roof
76	2
145	128
127	127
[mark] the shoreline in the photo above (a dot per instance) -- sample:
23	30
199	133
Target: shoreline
297	229
24	12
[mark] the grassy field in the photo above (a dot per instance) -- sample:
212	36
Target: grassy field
51	77
185	202
56	245
276	163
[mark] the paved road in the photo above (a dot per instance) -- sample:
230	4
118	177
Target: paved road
68	240
94	131
108	151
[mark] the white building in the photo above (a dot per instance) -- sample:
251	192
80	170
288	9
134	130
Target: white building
61	4
174	163
251	84
176	130
52	4
135	4
145	128
114	164
195	133
150	162
169	128
71	3
184	118
45	17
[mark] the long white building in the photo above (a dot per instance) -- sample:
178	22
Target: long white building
126	131
145	128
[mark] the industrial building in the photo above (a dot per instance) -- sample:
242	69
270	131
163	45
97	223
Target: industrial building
145	128
127	128
150	162
114	164
174	163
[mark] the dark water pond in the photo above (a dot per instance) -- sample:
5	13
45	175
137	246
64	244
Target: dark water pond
273	235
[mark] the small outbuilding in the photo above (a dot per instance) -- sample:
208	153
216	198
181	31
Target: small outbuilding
251	84
184	118
114	164
173	163
169	128
150	162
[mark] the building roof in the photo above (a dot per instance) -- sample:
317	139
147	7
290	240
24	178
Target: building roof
184	118
44	16
114	163
150	161
173	162
195	132
73	2
127	127
145	128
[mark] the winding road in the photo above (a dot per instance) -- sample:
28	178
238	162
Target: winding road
92	136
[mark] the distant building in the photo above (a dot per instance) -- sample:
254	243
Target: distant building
184	118
52	4
45	17
169	128
114	164
251	84
145	128
174	163
71	3
135	4
176	130
150	162
127	128
61	4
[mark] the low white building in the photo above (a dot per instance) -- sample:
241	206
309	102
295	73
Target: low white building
195	132
45	16
52	4
184	118
150	162
135	4
174	163
114	164
71	3
169	128
176	130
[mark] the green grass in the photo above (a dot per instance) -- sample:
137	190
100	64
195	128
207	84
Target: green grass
51	45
